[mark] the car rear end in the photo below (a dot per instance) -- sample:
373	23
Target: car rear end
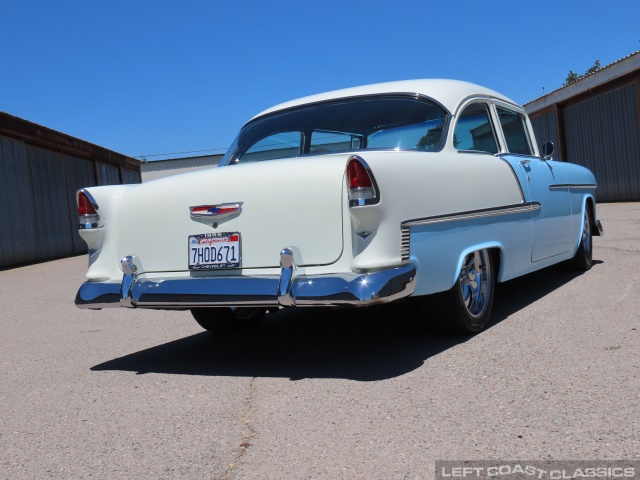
271	234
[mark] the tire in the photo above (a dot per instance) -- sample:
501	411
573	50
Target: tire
466	307
583	259
228	320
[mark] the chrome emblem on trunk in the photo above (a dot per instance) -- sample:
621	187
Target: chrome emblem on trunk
215	213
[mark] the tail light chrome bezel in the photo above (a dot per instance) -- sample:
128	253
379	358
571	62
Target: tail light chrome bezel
365	195
88	221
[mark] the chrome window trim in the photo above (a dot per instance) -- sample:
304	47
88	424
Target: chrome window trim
522	116
233	160
474	214
487	102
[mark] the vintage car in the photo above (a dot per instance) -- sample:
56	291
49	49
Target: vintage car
422	191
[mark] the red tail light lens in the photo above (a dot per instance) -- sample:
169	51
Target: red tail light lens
88	216
362	188
358	175
85	207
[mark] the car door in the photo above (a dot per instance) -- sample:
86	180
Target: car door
542	183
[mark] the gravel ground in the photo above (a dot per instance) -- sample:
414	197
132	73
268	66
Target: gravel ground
319	394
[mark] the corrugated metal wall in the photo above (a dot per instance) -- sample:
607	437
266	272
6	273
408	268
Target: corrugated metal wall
79	174
164	168
16	223
107	174
38	212
601	133
130	176
50	212
545	127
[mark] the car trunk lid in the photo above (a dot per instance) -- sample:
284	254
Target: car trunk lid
292	202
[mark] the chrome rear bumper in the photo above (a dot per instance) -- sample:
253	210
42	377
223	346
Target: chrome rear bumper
286	289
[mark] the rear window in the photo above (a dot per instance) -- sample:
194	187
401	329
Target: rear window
378	122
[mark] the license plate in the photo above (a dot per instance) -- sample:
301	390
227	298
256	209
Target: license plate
214	250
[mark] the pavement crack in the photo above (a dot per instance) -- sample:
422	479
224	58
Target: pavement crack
245	443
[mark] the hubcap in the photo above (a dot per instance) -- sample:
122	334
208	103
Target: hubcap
475	283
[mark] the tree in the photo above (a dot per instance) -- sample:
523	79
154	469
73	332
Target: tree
596	66
573	77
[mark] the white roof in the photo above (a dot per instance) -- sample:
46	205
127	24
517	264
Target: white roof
448	92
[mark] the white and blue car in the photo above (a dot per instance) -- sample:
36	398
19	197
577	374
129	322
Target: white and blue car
426	191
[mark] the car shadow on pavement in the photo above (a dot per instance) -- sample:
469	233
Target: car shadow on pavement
369	344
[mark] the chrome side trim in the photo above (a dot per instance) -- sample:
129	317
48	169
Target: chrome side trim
572	185
473	214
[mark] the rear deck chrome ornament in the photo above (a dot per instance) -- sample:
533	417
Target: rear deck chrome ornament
215	213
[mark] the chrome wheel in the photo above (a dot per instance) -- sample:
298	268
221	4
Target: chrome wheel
476	282
583	258
586	235
466	307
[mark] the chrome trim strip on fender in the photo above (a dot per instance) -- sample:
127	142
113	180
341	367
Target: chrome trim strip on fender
572	185
473	214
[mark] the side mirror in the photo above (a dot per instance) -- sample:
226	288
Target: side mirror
547	151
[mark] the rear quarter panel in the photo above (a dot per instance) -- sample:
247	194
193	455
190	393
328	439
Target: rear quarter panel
418	185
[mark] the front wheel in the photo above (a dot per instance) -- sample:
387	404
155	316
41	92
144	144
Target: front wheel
583	259
466	307
228	320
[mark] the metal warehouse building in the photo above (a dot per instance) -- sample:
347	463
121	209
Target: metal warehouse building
595	122
172	166
40	172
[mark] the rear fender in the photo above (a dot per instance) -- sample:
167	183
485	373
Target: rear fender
496	246
101	241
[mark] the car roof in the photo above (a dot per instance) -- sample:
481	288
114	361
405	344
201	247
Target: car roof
446	91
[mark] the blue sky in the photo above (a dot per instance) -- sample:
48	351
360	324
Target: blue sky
170	79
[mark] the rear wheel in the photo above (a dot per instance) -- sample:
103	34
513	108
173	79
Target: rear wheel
228	320
466	307
583	259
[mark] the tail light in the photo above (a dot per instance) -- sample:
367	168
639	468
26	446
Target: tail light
88	216
362	188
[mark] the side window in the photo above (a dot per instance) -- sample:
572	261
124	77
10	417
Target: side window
325	141
515	133
474	130
278	145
